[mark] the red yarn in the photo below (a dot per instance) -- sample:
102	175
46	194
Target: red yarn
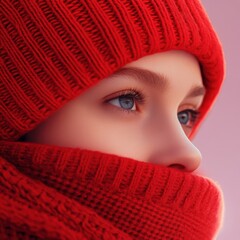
49	192
52	51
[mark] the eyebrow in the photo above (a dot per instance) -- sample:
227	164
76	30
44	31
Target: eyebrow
154	79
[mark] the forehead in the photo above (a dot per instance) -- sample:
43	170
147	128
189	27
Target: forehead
171	69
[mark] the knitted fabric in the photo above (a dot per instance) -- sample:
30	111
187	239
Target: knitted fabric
51	51
66	193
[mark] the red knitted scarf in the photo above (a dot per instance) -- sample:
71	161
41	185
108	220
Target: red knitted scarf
49	192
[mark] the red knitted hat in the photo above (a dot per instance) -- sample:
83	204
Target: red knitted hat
51	51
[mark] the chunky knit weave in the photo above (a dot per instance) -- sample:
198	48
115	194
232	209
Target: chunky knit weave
53	50
65	193
50	52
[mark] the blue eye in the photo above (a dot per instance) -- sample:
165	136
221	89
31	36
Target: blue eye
188	117
126	102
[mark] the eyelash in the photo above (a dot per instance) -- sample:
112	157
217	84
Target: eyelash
140	99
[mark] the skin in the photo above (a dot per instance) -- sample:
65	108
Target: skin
151	131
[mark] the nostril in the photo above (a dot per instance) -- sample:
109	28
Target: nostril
177	166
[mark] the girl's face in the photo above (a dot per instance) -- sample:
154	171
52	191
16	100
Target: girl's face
145	111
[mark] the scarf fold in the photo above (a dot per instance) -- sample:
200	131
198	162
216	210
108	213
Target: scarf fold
51	192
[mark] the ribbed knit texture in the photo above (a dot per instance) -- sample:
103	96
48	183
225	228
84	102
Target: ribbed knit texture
51	51
50	192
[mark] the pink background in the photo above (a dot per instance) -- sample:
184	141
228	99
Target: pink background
218	138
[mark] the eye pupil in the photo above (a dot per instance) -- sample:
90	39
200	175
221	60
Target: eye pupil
183	117
126	102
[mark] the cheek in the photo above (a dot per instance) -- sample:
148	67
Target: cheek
101	131
56	130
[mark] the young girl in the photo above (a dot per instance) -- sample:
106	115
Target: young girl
99	103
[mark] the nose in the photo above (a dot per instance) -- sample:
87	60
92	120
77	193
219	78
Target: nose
184	158
177	152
